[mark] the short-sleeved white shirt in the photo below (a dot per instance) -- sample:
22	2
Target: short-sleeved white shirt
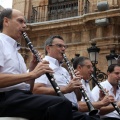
107	86
86	87
11	62
61	76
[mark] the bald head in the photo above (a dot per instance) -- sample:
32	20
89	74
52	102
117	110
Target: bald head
12	23
5	13
8	13
14	12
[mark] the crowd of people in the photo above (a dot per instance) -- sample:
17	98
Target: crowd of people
33	93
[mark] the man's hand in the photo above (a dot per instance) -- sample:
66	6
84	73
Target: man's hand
73	84
42	68
77	74
107	100
34	62
102	94
118	103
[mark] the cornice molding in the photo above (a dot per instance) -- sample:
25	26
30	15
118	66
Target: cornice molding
78	20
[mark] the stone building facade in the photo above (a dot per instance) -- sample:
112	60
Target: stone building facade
1	8
79	30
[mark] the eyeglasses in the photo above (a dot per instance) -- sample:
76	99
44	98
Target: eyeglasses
88	66
60	45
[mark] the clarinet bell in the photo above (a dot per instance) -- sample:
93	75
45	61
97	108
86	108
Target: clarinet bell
93	112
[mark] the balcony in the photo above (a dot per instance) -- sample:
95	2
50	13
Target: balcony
58	11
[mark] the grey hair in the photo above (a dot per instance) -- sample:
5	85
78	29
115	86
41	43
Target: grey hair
79	61
49	41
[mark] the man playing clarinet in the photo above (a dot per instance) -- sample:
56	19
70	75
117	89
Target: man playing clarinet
54	48
16	98
111	85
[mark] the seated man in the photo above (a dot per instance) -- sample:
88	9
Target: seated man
54	48
111	85
84	66
16	99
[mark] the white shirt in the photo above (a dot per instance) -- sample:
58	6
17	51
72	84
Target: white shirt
86	87
11	62
61	76
107	86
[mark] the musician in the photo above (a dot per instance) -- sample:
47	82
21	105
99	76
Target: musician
84	66
16	99
111	85
54	47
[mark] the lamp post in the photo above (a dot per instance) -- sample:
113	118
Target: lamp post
93	55
76	55
111	58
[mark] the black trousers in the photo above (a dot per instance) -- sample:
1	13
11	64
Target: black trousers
110	118
81	116
17	103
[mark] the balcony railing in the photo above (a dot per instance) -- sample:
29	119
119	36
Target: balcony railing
58	11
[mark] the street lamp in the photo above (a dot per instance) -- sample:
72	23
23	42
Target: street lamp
111	58
93	55
76	55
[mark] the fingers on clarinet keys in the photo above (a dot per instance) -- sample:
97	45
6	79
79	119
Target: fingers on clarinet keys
82	87
40	55
77	74
118	103
44	67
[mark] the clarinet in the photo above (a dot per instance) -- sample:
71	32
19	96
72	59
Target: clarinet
49	76
119	83
92	110
105	93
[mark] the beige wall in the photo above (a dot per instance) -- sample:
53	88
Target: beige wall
78	33
1	8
